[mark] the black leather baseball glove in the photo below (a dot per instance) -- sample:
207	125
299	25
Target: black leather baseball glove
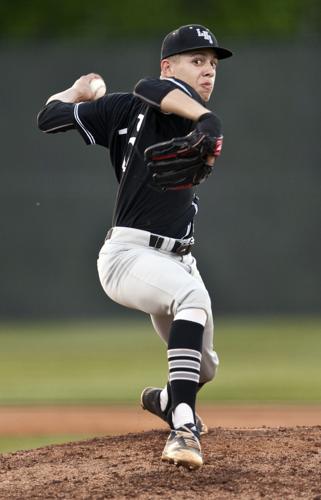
182	162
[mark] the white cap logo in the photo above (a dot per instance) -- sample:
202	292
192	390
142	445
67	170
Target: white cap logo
204	34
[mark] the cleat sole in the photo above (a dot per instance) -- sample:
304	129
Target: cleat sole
185	459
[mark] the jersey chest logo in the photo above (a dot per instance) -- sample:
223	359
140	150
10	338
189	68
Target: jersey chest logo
132	141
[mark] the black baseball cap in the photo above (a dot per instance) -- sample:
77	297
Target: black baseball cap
190	37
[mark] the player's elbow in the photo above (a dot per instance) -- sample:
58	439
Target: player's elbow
56	117
41	120
46	118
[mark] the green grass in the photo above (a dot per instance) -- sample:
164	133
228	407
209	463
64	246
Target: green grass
19	443
268	359
78	362
262	359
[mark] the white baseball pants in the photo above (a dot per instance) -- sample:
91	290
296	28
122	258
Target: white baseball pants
157	282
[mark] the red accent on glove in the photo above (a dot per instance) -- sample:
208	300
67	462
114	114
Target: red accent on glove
218	146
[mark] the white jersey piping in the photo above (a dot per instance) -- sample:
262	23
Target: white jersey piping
88	134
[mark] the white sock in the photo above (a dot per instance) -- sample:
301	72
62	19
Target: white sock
163	398
195	315
183	414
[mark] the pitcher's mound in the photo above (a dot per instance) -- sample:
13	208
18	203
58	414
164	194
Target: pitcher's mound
239	463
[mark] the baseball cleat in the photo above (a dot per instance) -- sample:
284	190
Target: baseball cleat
183	448
150	401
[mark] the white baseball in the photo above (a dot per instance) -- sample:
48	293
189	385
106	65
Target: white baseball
98	87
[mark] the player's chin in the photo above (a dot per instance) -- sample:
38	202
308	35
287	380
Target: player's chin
205	93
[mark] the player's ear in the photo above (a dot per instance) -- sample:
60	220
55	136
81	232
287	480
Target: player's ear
166	68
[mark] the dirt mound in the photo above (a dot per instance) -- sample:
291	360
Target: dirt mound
239	463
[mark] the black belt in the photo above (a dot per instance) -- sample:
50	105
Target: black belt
179	247
157	242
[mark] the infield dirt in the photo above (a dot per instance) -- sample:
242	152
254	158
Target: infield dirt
274	463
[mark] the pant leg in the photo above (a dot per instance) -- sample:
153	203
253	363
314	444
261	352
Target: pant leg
149	280
210	360
162	325
159	284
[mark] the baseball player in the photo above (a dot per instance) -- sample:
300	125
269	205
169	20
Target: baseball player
163	141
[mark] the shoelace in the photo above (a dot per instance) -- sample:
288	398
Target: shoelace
189	439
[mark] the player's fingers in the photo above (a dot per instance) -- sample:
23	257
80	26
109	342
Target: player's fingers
92	76
82	85
210	160
86	79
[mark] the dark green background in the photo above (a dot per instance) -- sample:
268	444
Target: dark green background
103	19
258	229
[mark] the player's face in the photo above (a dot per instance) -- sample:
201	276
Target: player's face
198	69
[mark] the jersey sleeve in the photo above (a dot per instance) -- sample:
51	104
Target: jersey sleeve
57	116
94	120
153	90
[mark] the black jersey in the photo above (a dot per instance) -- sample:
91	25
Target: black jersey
127	125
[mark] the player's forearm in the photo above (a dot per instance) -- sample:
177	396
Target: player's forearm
181	104
71	95
81	90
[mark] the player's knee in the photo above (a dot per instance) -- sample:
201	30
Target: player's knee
209	367
196	297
